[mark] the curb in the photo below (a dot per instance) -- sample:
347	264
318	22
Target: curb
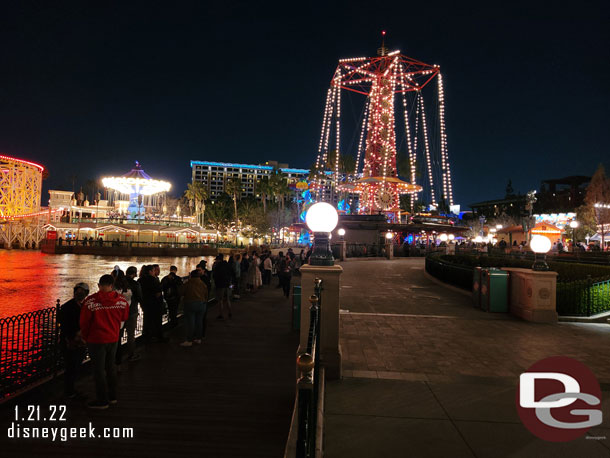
451	287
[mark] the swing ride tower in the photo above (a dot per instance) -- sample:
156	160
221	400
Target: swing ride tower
385	80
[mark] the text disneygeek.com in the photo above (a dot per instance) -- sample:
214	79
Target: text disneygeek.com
22	427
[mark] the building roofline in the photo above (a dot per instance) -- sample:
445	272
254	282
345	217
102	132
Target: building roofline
247	166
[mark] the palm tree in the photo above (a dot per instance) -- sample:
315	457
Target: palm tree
279	186
196	193
264	188
234	188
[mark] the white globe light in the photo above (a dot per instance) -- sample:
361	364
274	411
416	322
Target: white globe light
389	236
573	224
321	217
498	226
540	244
451	237
444	237
478	239
341	232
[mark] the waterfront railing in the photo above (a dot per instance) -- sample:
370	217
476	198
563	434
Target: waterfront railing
164	222
30	351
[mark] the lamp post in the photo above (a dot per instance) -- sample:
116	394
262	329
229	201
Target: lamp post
343	252
573	225
540	245
389	246
321	218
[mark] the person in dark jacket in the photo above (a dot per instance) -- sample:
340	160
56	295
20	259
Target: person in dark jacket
284	273
71	341
204	276
151	305
195	308
222	273
135	293
170	284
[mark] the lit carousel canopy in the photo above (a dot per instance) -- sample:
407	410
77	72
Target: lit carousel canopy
136	182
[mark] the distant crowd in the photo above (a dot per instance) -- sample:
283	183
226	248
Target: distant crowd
97	323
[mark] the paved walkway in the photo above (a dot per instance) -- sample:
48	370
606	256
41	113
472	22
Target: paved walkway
426	374
230	397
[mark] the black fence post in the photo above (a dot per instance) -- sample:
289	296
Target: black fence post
589	286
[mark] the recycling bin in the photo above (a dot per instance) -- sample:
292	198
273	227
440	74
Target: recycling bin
476	287
494	290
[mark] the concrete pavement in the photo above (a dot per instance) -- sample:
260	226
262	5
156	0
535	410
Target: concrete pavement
427	375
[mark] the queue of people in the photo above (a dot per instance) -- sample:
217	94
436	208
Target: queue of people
96	324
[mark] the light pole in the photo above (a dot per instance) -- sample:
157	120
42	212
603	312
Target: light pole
343	253
321	218
389	246
540	245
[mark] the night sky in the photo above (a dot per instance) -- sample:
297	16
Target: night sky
86	90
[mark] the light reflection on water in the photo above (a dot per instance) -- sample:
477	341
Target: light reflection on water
30	280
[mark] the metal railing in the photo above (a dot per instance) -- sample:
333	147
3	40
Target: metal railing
141	221
454	274
130	244
30	349
308	383
583	297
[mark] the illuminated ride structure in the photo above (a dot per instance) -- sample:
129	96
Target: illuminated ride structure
139	186
389	80
21	219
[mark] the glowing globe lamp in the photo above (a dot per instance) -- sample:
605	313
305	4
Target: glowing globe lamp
478	239
321	218
573	224
451	237
341	232
540	245
444	237
389	236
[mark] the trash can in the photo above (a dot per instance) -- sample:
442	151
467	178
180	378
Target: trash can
296	308
494	290
476	287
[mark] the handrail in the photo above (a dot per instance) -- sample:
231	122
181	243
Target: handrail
308	383
140	221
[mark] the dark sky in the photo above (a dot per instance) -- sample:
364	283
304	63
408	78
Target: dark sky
86	90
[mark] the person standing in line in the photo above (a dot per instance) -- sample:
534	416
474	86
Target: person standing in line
236	275
151	297
101	317
195	295
268	267
71	341
131	324
221	273
170	285
254	273
243	268
121	286
204	276
283	273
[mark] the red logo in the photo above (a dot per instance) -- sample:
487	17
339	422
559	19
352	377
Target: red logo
559	399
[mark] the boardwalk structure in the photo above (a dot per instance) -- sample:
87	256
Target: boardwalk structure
232	396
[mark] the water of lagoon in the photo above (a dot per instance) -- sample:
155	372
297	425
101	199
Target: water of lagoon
31	280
